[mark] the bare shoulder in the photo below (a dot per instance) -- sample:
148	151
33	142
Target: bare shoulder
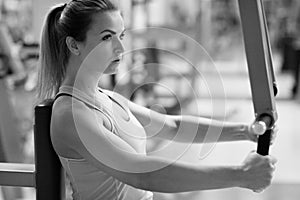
64	129
64	110
65	107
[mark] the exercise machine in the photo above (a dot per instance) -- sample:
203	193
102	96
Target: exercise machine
260	68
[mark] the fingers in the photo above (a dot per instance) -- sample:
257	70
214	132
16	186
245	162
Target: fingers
259	171
272	160
274	134
255	130
254	137
250	133
258	190
254	151
271	164
269	158
275	128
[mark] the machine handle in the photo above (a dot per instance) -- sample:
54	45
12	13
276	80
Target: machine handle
263	143
262	127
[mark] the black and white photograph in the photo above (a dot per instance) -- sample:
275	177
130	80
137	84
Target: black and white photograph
149	99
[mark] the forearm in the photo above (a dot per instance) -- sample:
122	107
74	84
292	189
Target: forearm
199	130
183	178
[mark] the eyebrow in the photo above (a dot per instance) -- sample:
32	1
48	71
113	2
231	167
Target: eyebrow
111	31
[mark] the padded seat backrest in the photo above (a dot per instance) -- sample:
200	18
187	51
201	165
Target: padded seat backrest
49	172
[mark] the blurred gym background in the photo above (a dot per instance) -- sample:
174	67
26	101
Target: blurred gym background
156	74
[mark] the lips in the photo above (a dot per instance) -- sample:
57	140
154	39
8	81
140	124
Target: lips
117	59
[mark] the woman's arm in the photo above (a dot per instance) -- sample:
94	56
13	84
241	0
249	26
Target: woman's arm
189	128
209	130
85	133
255	173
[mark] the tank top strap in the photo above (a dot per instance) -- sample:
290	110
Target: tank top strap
79	95
115	97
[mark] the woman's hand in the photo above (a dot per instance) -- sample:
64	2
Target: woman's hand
253	136
257	171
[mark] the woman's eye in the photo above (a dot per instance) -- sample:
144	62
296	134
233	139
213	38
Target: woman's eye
107	37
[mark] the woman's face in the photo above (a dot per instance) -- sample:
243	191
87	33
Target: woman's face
103	47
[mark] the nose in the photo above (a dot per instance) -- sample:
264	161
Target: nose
119	47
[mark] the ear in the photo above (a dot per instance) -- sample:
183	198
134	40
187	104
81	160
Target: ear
72	45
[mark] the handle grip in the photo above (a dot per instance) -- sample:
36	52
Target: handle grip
262	128
263	143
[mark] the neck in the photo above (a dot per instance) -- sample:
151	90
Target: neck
81	79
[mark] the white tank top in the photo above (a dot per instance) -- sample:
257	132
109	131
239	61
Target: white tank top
90	183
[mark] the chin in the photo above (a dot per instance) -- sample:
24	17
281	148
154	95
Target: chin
112	73
111	69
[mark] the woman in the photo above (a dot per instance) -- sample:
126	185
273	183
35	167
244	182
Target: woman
100	137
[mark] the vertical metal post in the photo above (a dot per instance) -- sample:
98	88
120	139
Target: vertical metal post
260	67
